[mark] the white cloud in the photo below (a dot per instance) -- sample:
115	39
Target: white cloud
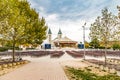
70	18
70	28
41	8
51	17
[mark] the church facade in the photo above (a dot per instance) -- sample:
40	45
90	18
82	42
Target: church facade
60	41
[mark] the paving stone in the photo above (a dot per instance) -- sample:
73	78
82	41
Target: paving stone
37	70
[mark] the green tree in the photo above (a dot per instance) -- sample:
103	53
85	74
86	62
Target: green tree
22	25
3	11
117	27
117	31
118	7
103	27
94	43
116	46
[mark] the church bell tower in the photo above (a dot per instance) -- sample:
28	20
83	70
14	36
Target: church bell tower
59	34
49	36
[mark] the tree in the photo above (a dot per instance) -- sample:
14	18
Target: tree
116	46
94	43
103	28
22	25
118	7
3	11
116	33
117	28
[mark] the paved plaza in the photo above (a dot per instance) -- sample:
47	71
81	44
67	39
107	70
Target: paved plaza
45	68
42	68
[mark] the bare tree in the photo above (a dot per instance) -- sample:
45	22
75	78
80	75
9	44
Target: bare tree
102	29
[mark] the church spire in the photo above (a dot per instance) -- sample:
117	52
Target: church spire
59	34
49	36
49	31
59	31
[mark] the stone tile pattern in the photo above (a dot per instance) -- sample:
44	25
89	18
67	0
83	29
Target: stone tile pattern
40	70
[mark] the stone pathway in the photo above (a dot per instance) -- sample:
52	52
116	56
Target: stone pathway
37	70
44	68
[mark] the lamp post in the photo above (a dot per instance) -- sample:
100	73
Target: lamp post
118	7
84	38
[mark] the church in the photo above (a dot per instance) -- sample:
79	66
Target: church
61	42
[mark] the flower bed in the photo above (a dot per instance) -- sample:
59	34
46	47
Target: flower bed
78	74
5	67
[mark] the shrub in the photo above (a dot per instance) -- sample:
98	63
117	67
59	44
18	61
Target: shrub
29	48
101	47
116	46
2	49
79	74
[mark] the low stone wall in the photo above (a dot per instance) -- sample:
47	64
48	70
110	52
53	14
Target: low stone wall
7	67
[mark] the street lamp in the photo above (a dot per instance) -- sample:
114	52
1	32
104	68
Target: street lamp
84	38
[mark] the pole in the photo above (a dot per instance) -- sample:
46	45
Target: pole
84	39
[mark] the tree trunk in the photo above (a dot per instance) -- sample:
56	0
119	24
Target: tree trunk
105	53
105	56
13	53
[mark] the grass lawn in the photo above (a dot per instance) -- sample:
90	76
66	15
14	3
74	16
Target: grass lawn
86	74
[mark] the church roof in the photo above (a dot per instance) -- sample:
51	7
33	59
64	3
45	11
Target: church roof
59	31
64	40
49	31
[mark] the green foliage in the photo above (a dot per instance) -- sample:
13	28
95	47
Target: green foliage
78	74
23	24
94	43
116	46
2	49
101	47
29	48
88	69
106	28
108	77
102	28
20	24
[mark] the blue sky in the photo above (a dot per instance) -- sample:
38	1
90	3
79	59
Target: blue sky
70	15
